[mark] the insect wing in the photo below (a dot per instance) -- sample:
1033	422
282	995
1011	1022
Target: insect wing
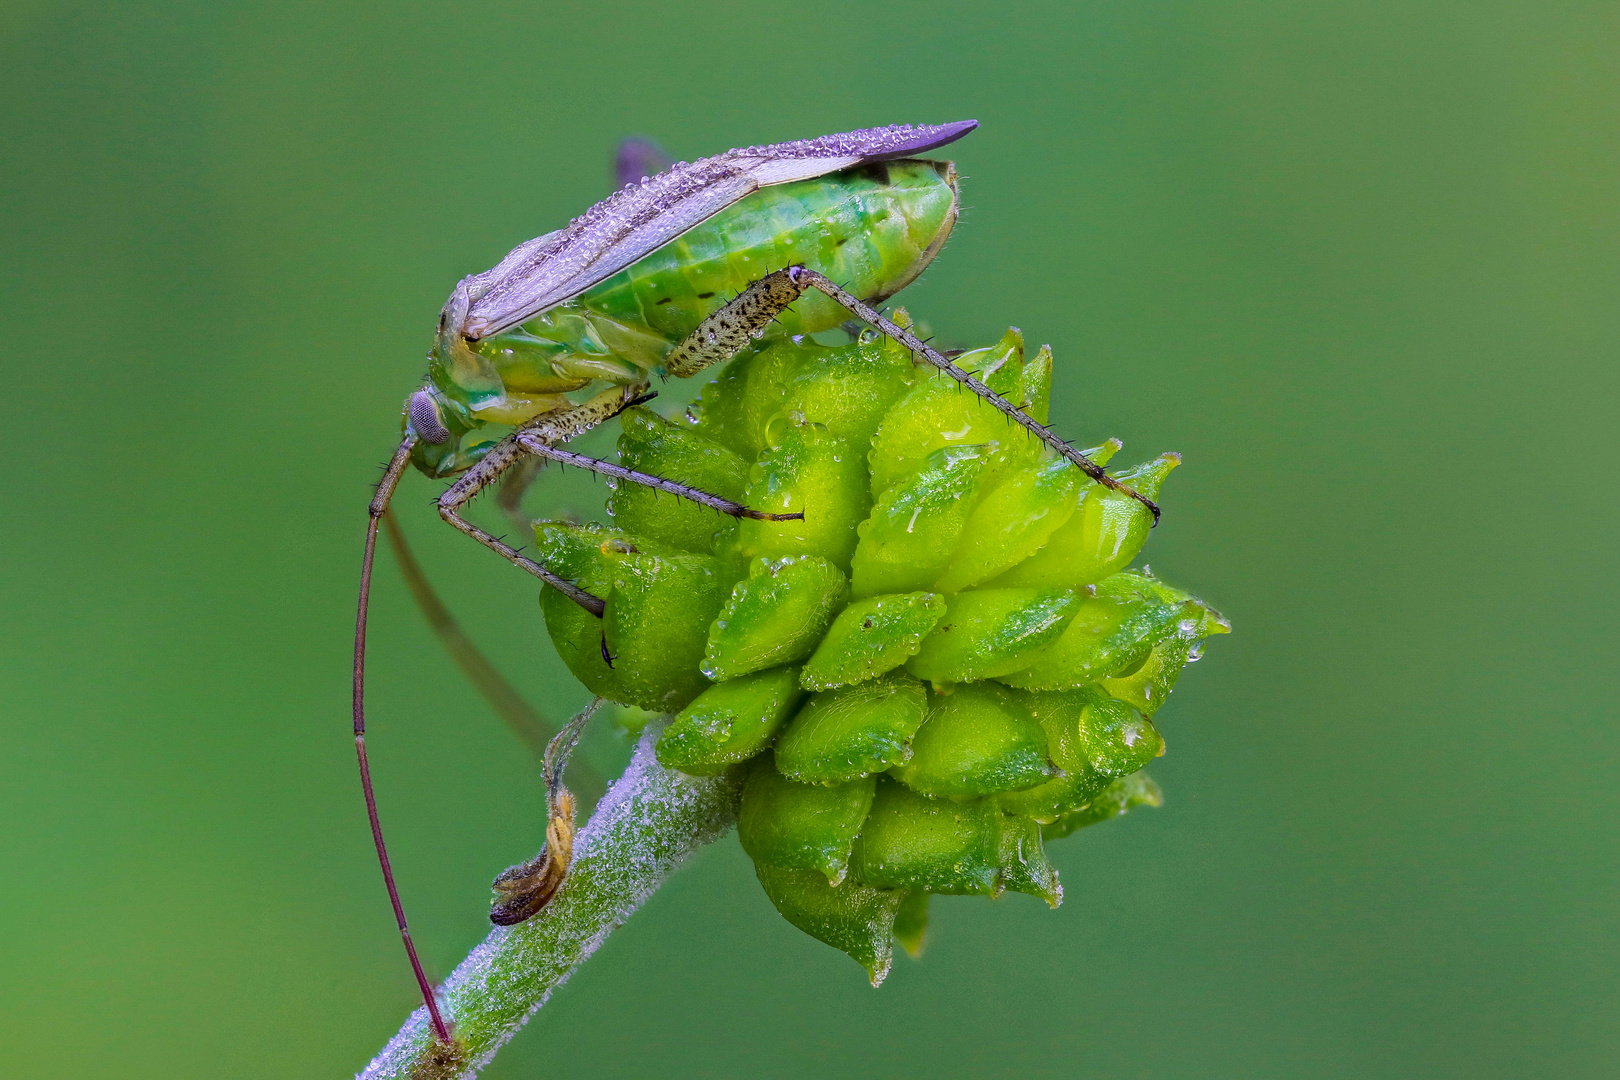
639	219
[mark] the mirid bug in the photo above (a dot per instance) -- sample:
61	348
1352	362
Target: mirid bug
666	276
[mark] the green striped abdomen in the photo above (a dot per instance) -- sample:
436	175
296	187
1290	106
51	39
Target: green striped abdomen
872	229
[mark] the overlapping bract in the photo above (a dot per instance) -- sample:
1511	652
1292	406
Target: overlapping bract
944	664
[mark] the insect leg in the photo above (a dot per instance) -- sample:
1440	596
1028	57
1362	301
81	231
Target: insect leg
524	720
548	428
905	337
540	438
619	472
734	327
728	330
379	506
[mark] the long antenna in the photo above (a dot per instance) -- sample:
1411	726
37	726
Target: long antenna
379	505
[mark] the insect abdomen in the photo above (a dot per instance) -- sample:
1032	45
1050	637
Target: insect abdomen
872	229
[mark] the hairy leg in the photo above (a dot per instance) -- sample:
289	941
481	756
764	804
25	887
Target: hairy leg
728	330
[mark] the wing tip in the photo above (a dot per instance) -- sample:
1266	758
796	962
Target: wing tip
929	137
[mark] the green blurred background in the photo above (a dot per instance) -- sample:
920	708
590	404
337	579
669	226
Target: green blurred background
1358	262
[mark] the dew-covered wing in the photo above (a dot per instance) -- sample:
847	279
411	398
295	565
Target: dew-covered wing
641	218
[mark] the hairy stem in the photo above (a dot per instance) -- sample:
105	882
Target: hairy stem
647	824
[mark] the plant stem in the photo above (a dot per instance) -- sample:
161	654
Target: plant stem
647	824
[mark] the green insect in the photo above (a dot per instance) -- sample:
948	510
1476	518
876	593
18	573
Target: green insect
666	276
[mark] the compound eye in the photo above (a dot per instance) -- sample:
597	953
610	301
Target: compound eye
423	413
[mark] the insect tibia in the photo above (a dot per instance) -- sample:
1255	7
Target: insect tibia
521	891
657	483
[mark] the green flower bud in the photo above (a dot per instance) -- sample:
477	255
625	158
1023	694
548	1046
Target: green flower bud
966	515
909	540
992	632
730	722
1087	730
912	841
735	409
656	599
985	566
937	412
1149	685
977	740
1023	866
1061	715
801	826
1102	538
581	554
1115	799
1052	800
871	637
657	618
810	471
911	922
852	918
1118	740
1035	386
1113	631
776	615
999	366
849	390
648	443
1012	521
842	735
